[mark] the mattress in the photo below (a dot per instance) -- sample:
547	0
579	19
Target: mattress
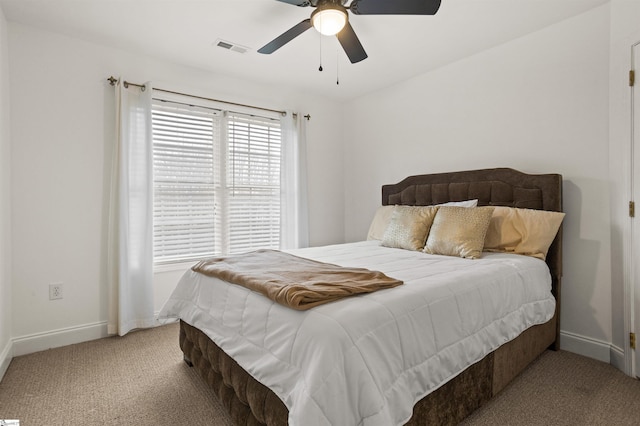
367	359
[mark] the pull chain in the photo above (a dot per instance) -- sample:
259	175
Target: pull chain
337	68
320	68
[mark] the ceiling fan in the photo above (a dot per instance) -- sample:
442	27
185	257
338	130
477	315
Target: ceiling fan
331	18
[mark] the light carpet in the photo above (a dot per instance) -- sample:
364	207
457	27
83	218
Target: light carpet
140	379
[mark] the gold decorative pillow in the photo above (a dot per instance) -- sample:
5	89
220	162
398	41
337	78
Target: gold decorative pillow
380	222
522	231
409	227
459	231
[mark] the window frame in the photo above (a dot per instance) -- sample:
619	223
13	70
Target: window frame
223	189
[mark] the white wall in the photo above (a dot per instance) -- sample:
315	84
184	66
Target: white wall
62	131
538	104
5	203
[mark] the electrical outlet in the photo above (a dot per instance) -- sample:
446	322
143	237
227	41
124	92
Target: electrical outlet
55	291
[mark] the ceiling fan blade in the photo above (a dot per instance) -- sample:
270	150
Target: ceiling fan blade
285	37
396	7
351	45
301	3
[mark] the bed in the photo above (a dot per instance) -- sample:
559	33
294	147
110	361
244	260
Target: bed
250	402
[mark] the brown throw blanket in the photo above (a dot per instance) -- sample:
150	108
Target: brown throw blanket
294	281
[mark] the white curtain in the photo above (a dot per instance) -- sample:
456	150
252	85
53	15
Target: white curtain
130	257
294	216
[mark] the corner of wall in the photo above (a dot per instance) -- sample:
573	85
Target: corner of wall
618	359
586	346
5	358
6	345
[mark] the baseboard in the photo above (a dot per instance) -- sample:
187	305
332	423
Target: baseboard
617	359
23	345
586	346
55	338
5	358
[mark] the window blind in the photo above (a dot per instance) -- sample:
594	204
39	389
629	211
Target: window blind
216	182
253	182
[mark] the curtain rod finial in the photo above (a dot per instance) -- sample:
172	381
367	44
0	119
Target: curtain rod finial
112	80
308	117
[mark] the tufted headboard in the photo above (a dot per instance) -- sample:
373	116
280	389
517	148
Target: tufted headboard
492	187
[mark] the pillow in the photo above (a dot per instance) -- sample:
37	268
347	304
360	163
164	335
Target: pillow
382	217
467	203
459	231
409	227
380	222
522	231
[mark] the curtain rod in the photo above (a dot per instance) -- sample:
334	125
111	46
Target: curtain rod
112	81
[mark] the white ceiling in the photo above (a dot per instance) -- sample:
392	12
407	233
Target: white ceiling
399	47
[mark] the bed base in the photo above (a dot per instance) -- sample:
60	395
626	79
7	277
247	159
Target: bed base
250	403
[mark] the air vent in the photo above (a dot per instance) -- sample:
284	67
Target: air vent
231	46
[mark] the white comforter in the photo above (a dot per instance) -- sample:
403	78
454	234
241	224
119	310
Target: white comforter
367	359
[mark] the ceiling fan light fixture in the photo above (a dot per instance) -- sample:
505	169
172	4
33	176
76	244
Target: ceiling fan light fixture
330	20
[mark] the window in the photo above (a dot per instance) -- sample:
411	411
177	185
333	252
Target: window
253	188
216	182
